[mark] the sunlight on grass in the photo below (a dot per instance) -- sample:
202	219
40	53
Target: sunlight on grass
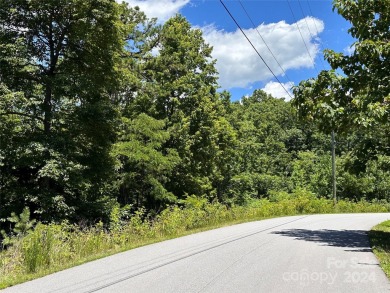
380	243
53	247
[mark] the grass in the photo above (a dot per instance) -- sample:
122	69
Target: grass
53	247
380	243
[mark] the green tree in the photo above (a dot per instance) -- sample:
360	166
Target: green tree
312	171
361	94
140	37
367	70
180	85
268	139
317	100
57	67
262	123
144	166
353	98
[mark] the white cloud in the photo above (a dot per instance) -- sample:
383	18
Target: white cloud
162	9
240	66
278	91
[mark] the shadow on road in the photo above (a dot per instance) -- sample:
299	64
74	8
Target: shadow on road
357	240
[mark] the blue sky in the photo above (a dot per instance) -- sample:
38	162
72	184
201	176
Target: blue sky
296	38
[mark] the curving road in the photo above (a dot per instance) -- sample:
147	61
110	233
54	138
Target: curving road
316	253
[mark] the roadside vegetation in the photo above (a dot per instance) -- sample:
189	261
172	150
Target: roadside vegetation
113	133
380	243
37	249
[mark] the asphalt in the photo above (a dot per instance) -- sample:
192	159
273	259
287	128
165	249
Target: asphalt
316	253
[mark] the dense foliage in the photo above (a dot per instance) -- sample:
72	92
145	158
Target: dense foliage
53	247
104	111
356	92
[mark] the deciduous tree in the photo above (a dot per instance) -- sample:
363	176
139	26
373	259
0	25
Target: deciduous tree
57	67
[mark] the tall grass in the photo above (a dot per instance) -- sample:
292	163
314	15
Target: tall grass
53	247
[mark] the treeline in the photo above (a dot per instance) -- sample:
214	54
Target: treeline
103	109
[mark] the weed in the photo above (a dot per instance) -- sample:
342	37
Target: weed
53	247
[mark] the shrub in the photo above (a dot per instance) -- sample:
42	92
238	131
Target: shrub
50	247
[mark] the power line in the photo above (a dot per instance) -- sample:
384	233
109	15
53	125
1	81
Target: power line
308	27
303	13
269	49
315	25
300	32
242	31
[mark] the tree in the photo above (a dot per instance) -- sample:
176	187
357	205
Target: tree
57	67
318	100
179	87
262	122
360	96
266	130
144	165
367	69
140	38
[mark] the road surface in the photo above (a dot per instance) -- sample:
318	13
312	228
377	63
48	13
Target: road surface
316	253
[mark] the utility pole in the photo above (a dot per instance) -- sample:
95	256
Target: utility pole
334	168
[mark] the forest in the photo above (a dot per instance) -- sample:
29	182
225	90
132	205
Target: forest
103	110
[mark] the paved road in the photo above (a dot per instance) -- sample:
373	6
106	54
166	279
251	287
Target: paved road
319	253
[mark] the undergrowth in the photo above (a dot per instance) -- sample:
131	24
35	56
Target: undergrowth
52	247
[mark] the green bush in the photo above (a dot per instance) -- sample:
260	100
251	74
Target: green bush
50	247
